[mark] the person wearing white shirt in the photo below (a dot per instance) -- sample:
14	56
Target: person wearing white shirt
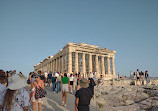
71	78
56	74
68	75
46	74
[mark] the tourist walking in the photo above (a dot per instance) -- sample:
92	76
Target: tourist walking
45	77
53	82
49	79
56	74
137	77
147	77
59	82
42	77
38	83
83	96
91	83
16	97
100	81
75	82
71	78
78	79
3	88
65	82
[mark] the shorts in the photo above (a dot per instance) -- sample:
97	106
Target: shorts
71	82
65	88
36	100
137	77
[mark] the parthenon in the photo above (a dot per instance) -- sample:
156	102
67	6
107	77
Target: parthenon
83	58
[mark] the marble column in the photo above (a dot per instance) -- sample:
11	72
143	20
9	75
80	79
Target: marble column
53	65
66	62
108	65
76	62
56	64
59	69
83	64
62	64
47	67
96	63
113	66
102	65
90	63
70	61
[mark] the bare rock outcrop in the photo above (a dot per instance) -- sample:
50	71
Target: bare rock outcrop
127	98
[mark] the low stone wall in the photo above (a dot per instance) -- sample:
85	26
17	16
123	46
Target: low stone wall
125	82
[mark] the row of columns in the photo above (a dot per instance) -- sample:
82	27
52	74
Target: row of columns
66	65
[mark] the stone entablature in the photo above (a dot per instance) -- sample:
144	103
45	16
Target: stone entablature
83	58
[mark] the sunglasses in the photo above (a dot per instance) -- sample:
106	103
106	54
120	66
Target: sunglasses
36	77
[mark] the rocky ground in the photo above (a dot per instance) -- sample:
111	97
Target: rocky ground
127	98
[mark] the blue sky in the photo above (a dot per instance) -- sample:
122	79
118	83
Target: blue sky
31	30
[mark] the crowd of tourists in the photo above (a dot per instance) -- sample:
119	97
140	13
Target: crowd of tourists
17	92
68	83
140	76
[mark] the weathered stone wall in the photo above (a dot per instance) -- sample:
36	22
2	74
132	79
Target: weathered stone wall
129	82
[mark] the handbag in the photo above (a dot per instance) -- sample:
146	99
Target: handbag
40	93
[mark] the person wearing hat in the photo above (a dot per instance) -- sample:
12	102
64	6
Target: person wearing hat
3	84
16	97
36	83
83	96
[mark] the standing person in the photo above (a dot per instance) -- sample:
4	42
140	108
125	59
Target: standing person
53	82
29	81
56	74
65	82
83	96
58	83
37	83
68	74
86	76
49	79
45	77
134	75
71	83
146	75
75	82
3	88
131	76
118	75
137	77
78	79
16	97
91	83
41	76
100	81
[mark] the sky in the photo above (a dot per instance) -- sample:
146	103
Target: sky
32	30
